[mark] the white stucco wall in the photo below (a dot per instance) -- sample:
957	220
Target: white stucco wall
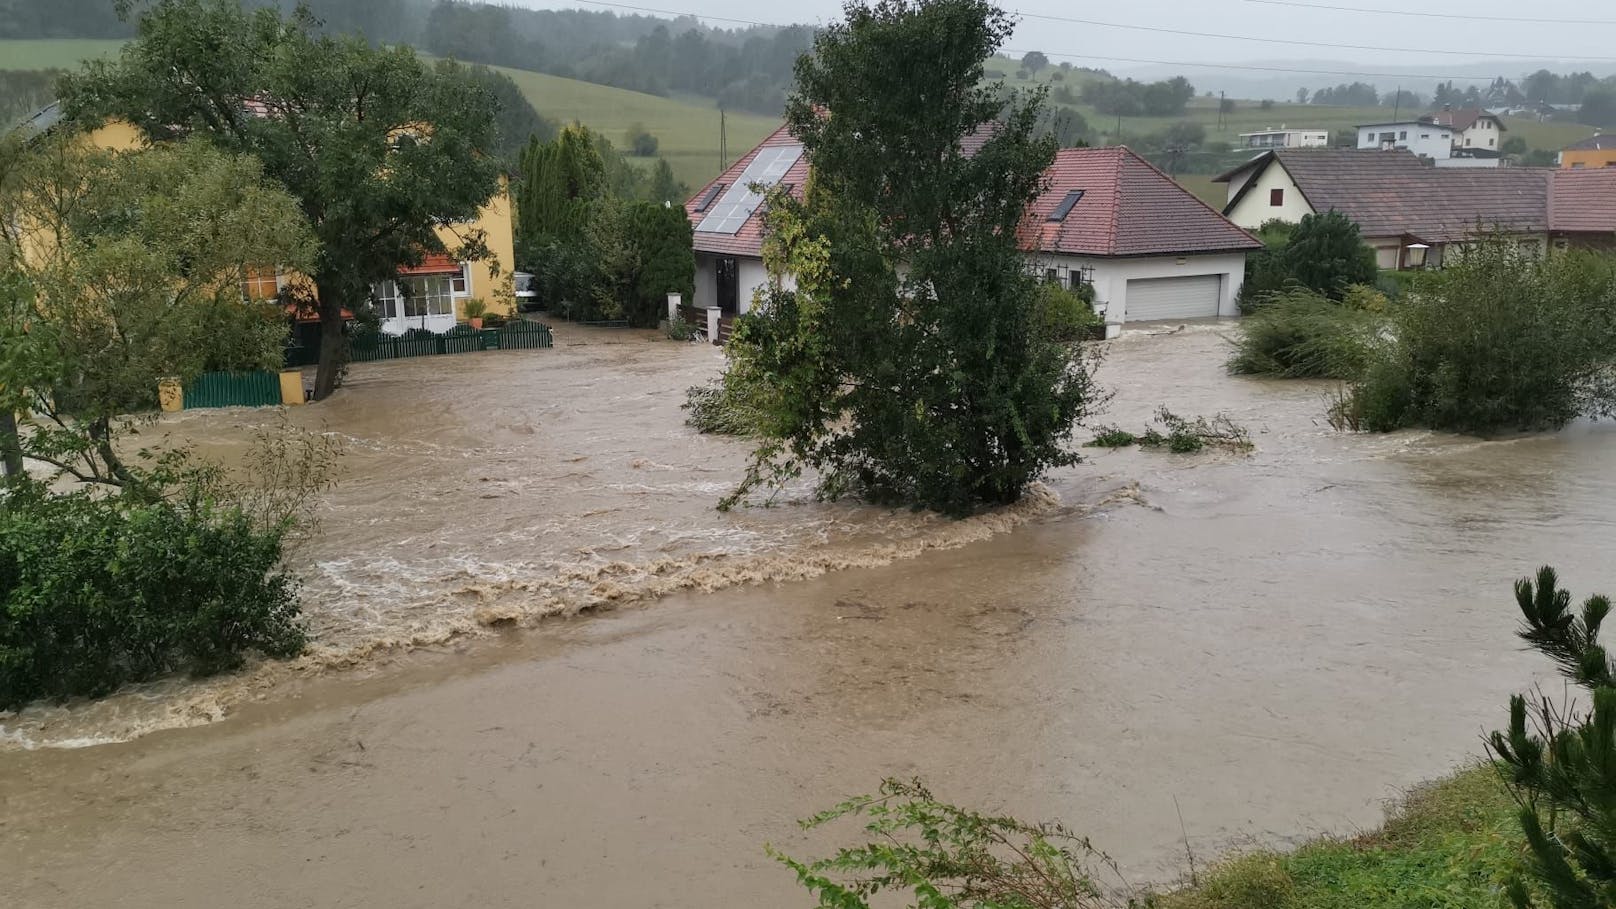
1111	276
706	281
1435	142
752	277
1254	210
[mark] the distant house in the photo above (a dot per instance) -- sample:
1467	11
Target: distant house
1421	137
1286	138
1411	212
1108	220
1477	133
1596	151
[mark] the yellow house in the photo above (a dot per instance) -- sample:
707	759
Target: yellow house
431	295
1597	151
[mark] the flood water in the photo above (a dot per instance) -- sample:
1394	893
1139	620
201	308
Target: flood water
1270	645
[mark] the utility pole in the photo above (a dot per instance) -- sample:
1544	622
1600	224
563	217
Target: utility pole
1118	139
723	142
1397	104
1220	111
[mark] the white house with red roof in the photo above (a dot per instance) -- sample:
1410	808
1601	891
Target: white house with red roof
1148	247
1108	219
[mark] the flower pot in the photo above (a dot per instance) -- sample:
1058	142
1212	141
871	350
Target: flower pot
476	323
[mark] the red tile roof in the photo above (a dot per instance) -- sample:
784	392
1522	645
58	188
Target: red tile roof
748	241
1128	208
1583	201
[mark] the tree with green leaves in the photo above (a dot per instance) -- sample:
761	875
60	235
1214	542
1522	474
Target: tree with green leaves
909	364
126	269
559	180
379	148
1326	252
660	235
1558	760
665	187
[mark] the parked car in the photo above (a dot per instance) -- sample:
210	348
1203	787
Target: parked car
527	296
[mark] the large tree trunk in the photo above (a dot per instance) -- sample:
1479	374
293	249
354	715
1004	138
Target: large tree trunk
10	445
333	347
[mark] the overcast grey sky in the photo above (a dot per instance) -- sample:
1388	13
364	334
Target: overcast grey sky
1488	40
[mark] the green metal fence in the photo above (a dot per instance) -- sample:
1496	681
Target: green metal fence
233	389
365	347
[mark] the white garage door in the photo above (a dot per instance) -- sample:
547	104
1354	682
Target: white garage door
1190	297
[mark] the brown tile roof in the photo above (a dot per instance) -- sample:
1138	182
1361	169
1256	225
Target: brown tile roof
1594	143
1462	119
1583	201
1128	208
1392	193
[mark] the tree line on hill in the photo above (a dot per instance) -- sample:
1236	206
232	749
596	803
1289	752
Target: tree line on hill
1594	98
744	69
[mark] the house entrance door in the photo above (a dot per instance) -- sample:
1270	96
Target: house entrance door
729	285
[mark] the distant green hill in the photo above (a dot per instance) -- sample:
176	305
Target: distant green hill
687	130
65	53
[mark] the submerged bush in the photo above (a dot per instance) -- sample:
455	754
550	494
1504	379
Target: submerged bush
1500	340
1067	315
1303	334
96	592
717	408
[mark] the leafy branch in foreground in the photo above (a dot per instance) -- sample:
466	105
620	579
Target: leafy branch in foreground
950	858
1560	763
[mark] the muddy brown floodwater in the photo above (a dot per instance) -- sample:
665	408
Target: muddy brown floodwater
1275	643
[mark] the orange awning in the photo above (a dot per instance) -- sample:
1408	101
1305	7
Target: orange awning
431	264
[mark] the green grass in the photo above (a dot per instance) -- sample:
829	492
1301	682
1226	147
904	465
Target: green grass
65	53
686	128
1448	845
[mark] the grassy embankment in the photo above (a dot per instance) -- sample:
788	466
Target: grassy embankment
1448	845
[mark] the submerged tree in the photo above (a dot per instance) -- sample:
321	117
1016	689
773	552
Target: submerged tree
380	148
121	270
909	363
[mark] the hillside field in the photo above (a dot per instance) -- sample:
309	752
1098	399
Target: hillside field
66	53
686	129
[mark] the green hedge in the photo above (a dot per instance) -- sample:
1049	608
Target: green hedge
99	592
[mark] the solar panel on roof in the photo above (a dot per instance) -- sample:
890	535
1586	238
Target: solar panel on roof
708	197
1065	206
767	168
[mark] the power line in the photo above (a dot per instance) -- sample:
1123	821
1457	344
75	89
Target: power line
1374	47
1381	11
1264	69
1095	57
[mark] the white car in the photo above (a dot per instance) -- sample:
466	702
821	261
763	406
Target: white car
527	296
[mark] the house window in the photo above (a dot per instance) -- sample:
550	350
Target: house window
416	297
1051	276
1403	134
1425	135
1490	142
461	281
1276	197
260	284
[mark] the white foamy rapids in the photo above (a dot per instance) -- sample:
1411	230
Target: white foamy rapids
361	610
